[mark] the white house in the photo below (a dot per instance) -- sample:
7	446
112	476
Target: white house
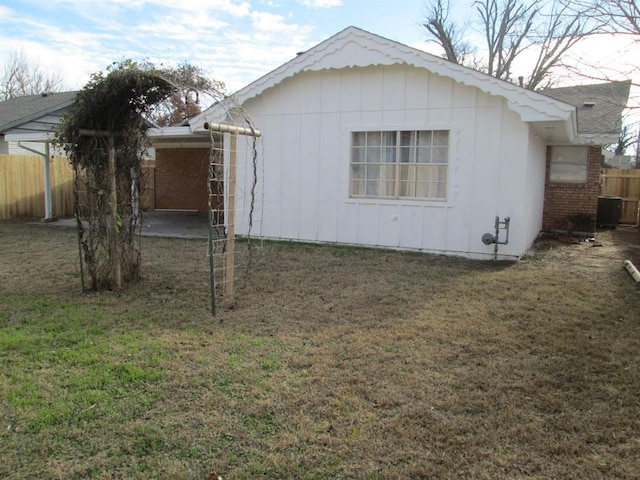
366	141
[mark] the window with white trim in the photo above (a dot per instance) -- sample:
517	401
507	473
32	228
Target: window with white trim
400	164
569	164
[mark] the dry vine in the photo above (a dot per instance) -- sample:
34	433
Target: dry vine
104	136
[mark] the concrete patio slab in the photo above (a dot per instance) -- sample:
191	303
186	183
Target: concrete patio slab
162	223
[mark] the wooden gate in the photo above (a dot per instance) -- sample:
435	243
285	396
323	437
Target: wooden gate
626	185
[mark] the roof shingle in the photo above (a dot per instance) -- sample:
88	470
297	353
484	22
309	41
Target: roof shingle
19	110
599	106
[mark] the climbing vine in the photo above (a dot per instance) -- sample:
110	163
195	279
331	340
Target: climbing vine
104	136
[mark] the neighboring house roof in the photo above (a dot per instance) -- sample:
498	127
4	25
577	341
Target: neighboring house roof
33	114
353	47
599	106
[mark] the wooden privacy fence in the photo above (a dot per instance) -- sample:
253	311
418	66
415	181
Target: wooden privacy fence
626	185
22	186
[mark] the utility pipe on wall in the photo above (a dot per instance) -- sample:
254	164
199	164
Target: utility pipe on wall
488	238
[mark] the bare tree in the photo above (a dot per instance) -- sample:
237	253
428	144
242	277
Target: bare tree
613	16
446	33
625	14
626	139
560	31
506	26
20	77
510	27
191	83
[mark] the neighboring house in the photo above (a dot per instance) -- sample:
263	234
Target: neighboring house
32	117
623	162
573	179
27	127
366	141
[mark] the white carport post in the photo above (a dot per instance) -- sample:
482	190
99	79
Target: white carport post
48	209
46	157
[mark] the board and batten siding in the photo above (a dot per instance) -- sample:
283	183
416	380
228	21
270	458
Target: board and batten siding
496	166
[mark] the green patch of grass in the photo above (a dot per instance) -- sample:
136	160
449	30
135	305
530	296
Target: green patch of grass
64	367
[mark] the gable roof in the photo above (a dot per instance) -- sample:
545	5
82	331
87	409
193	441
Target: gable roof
20	110
599	106
353	47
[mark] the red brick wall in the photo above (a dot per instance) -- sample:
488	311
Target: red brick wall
572	207
181	178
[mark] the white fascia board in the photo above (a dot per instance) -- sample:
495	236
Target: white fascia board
596	139
41	137
169	132
177	137
179	144
569	129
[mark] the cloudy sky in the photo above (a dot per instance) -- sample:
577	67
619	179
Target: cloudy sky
235	41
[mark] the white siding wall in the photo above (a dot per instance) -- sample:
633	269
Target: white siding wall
496	167
16	149
534	184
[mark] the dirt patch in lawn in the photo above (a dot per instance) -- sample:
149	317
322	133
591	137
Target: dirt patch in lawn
349	363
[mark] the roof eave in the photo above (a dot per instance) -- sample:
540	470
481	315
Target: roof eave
30	137
334	53
169	132
177	137
596	139
28	118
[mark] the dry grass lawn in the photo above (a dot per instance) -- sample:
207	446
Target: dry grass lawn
333	363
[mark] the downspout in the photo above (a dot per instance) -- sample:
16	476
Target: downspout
48	210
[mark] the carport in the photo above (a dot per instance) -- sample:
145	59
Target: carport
30	121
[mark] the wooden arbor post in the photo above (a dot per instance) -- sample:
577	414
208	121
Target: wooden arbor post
114	249
231	212
113	224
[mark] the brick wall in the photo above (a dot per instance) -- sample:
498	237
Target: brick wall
181	178
572	207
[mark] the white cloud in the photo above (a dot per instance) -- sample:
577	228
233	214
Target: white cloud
241	9
322	3
226	38
6	12
178	27
269	22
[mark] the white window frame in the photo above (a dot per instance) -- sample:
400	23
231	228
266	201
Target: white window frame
417	164
569	164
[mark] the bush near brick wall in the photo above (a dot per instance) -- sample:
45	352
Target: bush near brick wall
572	207
181	178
